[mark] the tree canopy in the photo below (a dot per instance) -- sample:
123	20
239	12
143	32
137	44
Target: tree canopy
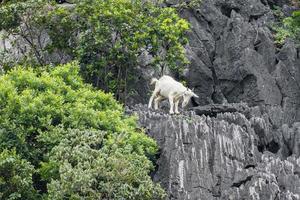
70	136
106	37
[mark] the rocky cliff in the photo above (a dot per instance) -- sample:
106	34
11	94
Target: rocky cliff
230	155
233	57
236	52
242	140
232	150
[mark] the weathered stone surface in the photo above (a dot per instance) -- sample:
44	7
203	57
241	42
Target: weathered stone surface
199	76
15	48
287	76
205	158
240	68
234	58
214	109
291	137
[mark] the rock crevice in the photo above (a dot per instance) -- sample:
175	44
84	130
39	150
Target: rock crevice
204	157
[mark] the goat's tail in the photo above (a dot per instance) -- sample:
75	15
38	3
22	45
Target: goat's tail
153	81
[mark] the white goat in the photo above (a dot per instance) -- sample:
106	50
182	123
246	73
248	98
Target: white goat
167	87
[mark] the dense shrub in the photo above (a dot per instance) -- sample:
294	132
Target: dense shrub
37	111
91	169
15	177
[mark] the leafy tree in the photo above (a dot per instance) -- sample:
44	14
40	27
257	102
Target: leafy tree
107	37
119	31
37	109
40	31
21	21
15	177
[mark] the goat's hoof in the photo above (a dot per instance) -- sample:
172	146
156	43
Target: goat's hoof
171	113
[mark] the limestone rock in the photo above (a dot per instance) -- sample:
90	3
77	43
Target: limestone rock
203	157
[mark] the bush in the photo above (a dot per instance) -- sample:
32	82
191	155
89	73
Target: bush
91	169
15	177
37	109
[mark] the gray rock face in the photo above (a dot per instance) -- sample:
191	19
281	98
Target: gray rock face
16	48
215	109
234	59
220	157
291	137
235	151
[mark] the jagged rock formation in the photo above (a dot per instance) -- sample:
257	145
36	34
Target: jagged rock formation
222	157
234	58
233	54
233	151
230	151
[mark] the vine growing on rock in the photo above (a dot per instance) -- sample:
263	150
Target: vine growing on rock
106	37
289	27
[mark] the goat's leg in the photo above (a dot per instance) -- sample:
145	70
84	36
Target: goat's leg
154	94
157	100
176	106
171	101
150	101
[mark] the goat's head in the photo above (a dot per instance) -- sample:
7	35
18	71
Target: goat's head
187	95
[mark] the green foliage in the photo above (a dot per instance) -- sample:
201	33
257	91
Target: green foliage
116	32
91	169
107	37
290	28
37	109
15	177
192	4
25	21
277	12
281	35
61	26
